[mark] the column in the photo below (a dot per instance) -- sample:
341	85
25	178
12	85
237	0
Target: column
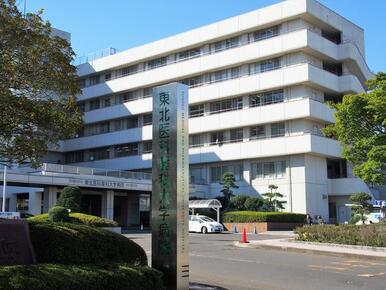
108	205
50	196
35	203
133	216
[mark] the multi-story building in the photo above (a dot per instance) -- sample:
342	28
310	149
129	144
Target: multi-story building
258	87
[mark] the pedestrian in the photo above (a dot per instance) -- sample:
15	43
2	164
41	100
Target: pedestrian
308	220
320	220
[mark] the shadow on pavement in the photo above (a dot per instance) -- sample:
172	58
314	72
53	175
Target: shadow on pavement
197	286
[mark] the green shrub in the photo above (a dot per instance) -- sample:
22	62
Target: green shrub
238	201
364	235
255	216
67	243
72	277
58	214
79	218
70	198
253	203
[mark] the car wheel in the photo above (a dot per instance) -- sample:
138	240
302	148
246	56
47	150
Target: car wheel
204	230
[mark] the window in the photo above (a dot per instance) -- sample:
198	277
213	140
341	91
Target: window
226	105
273	169
152	64
189	53
147	146
126	150
235	72
147	119
94	80
82	107
104	127
128	70
99	153
125	97
277	130
132	122
216	172
265	33
220	75
107	77
106	102
271	64
217	138
119	124
191	82
195	140
74	156
226	44
147	91
198	175
257	132
266	98
94	104
335	68
196	110
236	135
82	83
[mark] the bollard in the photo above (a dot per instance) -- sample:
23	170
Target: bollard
234	229
254	230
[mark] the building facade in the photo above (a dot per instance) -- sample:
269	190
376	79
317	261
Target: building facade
259	84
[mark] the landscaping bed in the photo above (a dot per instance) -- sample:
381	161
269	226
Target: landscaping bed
261	221
362	235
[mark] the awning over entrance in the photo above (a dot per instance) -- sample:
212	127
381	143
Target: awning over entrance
206	203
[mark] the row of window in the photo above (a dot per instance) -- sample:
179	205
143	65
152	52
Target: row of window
180	56
259	170
121	150
218	76
237	135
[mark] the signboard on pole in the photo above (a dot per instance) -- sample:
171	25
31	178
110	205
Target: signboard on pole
170	189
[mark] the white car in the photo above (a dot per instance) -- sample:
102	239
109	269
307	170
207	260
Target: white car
204	224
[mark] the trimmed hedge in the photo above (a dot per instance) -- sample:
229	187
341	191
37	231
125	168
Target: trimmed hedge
71	277
79	218
58	214
256	216
364	235
67	243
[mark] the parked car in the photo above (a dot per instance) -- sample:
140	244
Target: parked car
204	224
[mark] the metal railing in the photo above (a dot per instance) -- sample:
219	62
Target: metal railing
94	55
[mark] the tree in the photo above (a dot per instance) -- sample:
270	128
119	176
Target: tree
361	205
361	129
228	182
70	198
271	198
38	87
253	203
238	201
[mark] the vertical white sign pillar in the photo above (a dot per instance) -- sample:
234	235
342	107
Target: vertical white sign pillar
170	191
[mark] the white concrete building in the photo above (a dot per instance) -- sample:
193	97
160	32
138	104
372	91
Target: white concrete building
259	83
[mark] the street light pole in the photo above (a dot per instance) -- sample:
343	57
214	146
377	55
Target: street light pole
4	186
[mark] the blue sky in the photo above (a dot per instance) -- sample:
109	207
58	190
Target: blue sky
122	24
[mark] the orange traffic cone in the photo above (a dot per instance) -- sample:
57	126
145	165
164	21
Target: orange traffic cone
244	239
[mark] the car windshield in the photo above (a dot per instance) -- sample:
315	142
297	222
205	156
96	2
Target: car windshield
206	219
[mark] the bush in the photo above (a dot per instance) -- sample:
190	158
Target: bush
79	218
238	202
71	277
255	216
364	235
70	198
67	243
253	203
58	214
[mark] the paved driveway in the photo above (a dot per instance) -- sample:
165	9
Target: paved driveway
214	260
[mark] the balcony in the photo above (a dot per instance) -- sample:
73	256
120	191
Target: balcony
346	186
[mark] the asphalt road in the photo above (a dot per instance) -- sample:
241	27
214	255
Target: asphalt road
215	261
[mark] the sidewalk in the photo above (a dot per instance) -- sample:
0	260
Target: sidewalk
373	253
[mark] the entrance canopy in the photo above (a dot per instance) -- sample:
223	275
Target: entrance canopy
206	203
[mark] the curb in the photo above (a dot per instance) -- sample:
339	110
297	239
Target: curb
309	251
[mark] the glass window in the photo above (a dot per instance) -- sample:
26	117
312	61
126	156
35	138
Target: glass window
104	127
266	98
94	104
82	83
266	33
217	137
126	150
132	122
99	153
195	140
235	72
257	170
270	64
106	102
269	169
128	70
277	130
280	168
107	77
196	110
147	91
74	156
226	105
147	119
192	82
147	146
94	80
189	53
119	124
220	75
152	64
236	135
257	132
216	172
198	175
